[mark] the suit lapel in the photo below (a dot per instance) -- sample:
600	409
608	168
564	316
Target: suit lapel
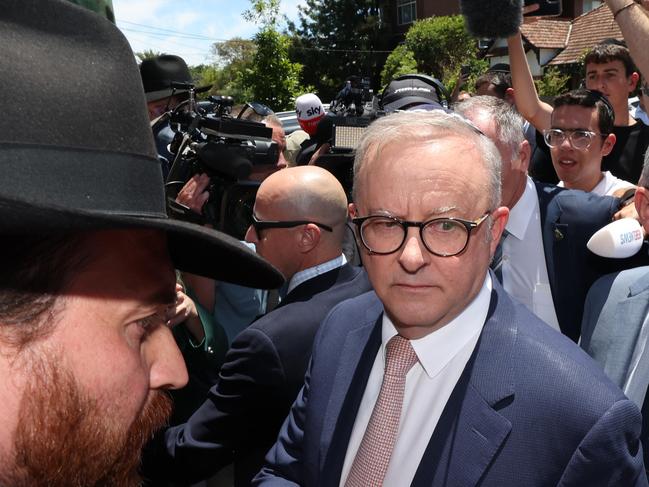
554	234
470	431
354	367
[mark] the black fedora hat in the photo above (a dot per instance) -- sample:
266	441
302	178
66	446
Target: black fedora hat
76	149
159	72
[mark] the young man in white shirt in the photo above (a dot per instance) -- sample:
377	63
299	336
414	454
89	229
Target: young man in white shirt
580	135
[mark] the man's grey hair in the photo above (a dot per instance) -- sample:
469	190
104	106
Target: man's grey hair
406	128
644	177
509	123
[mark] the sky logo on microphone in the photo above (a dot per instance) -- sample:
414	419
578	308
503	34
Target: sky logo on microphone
630	237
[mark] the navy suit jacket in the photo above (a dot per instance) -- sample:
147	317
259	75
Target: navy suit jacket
530	409
568	219
261	377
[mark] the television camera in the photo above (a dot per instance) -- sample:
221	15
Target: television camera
209	140
355	108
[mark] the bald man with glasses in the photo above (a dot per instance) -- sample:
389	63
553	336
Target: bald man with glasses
298	224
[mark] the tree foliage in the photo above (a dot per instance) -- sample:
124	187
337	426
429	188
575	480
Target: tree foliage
438	46
233	58
234	52
340	38
553	82
400	61
147	54
272	78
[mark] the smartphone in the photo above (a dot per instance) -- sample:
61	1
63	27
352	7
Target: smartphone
547	8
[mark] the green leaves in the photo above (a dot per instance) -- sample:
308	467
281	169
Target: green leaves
272	78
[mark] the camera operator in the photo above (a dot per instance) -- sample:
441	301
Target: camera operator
262	171
158	74
233	307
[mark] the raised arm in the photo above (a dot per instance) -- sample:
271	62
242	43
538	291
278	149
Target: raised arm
634	24
528	103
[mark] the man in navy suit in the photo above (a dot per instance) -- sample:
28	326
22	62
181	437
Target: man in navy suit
495	397
545	263
300	216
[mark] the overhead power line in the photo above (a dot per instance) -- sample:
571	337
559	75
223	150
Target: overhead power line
162	33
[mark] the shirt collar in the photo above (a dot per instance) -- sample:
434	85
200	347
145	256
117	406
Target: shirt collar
437	349
306	274
520	215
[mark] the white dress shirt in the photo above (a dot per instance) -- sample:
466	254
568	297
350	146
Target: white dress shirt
442	357
525	272
608	185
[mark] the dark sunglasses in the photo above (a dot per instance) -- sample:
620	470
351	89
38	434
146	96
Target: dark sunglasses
261	225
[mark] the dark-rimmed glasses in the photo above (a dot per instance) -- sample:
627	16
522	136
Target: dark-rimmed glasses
579	139
259	225
444	237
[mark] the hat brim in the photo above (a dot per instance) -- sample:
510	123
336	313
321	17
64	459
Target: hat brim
404	102
193	248
167	92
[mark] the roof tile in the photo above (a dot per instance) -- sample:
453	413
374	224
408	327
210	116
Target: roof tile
547	33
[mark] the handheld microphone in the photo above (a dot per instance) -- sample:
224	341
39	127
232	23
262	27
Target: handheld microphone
618	240
492	18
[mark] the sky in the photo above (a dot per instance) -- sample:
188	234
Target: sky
187	28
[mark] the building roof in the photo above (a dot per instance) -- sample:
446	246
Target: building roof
587	30
547	33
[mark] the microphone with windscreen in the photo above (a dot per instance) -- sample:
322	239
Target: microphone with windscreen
618	240
492	19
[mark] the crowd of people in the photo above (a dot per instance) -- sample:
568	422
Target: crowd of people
442	323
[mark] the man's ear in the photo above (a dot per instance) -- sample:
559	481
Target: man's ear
641	202
633	81
525	155
609	143
352	210
499	219
509	96
309	238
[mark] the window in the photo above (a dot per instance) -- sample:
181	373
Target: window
406	11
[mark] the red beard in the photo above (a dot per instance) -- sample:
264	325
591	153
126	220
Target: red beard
64	438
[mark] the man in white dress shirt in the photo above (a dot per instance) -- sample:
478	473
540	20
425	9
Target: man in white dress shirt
438	377
544	263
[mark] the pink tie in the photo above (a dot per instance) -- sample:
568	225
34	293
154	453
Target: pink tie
373	456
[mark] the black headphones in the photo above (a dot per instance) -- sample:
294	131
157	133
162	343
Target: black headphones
442	94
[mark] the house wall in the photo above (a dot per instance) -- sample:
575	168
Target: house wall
535	67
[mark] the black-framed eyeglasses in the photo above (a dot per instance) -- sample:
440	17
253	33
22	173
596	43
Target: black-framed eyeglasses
579	139
444	237
259	225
